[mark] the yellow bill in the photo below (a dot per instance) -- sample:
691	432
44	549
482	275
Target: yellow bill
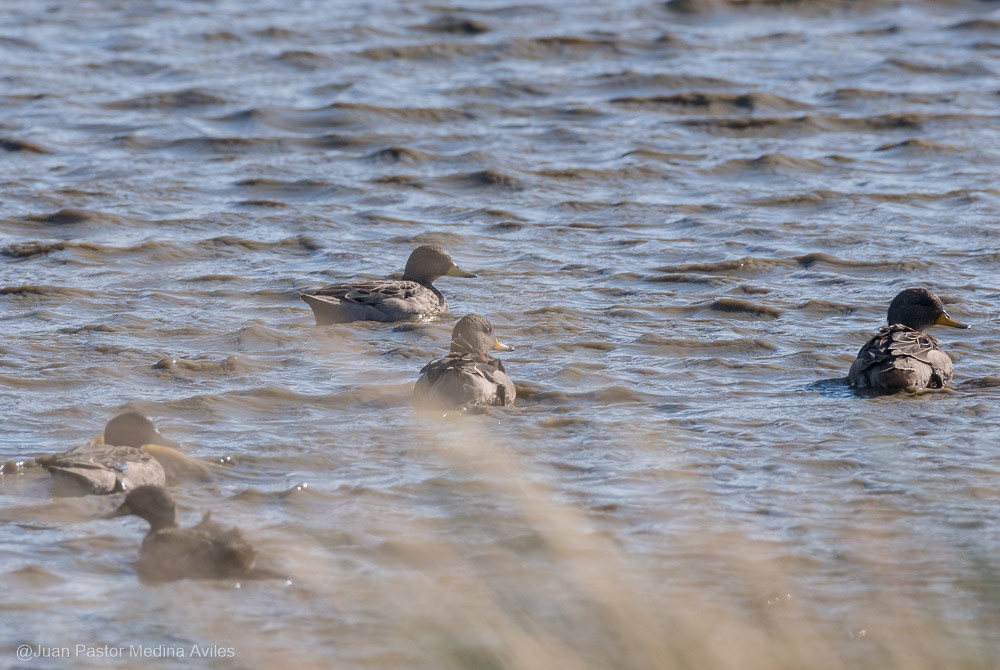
456	271
945	320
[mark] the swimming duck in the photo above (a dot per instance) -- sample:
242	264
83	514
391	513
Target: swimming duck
900	356
386	300
132	453
205	551
468	375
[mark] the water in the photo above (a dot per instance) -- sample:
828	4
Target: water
686	219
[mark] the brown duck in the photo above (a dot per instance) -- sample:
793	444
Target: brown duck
132	453
901	356
205	551
468	375
414	296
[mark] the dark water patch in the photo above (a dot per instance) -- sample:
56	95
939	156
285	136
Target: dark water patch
89	328
408	181
39	291
214	278
796	6
258	203
710	102
221	36
230	146
440	51
989	381
483	179
990	25
797	200
131	67
6	41
917	146
809	260
300	242
684	346
303	59
12	145
539	48
503	90
440	238
279	33
968	69
506	227
749	264
398	155
642	81
813	124
690	278
364	112
852	94
455	25
31	249
769	163
664	156
603	176
70	216
737	306
825	307
280	188
185	99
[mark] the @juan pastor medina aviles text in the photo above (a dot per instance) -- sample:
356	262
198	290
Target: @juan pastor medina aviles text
27	652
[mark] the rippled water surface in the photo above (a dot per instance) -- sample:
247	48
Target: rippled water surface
686	218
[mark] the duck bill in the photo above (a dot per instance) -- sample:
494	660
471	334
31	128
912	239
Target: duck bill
945	320
500	346
456	271
124	510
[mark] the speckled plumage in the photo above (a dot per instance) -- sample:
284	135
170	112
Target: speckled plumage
900	356
117	465
468	375
412	297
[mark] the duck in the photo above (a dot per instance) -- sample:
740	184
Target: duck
131	453
387	300
169	553
901	356
468	375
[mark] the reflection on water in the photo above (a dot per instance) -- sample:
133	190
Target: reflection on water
687	217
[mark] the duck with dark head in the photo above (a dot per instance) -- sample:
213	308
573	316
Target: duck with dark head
205	551
414	296
901	357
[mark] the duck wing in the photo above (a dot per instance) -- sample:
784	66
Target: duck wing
914	354
464	379
206	551
100	469
385	300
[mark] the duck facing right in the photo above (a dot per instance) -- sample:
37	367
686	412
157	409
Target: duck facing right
468	375
901	357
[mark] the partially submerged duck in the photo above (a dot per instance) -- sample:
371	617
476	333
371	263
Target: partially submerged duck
205	551
468	375
901	356
414	296
132	453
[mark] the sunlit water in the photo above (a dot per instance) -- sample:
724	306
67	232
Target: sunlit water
687	222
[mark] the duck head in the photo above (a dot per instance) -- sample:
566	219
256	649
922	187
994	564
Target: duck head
427	263
151	503
132	429
919	308
473	334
